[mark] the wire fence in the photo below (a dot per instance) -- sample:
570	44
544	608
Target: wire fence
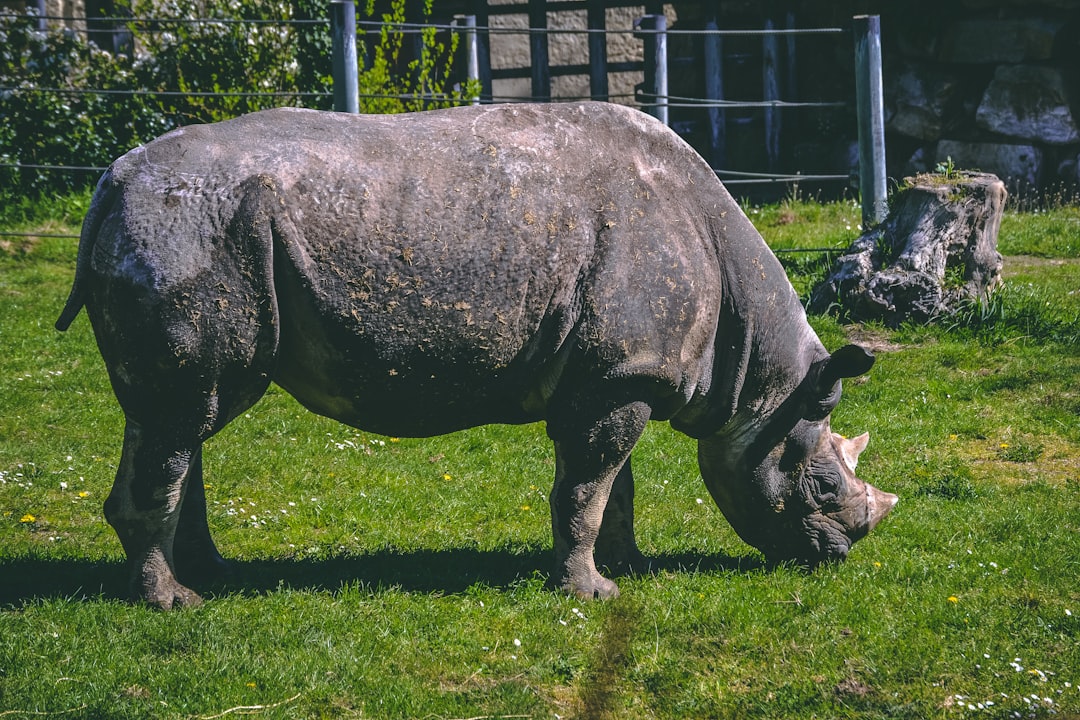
643	99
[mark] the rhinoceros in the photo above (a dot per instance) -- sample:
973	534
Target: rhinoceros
413	275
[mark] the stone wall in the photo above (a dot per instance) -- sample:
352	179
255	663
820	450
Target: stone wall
511	50
993	85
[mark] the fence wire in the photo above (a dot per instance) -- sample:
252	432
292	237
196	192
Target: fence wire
643	100
414	28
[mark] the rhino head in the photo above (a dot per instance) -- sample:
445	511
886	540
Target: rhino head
786	482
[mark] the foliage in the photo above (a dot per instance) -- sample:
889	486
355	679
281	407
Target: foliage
946	168
70	127
216	65
424	83
400	578
70	103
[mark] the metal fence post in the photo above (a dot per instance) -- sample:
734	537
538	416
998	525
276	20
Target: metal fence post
472	54
653	30
714	91
343	49
538	50
770	60
869	102
596	19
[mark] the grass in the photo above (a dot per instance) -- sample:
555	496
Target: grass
405	578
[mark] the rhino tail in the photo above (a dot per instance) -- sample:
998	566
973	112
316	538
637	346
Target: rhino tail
100	205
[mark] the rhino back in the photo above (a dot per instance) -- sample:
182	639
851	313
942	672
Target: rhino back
458	259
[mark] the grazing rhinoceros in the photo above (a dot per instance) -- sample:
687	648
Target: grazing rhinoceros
413	275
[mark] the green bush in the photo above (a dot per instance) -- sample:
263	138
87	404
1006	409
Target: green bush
68	127
183	73
424	83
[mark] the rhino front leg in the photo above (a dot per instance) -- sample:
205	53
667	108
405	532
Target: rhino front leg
588	458
144	509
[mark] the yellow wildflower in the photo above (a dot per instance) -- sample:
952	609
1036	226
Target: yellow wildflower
27	518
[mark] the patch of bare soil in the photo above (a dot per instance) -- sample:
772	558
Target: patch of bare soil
18	245
1021	264
873	339
852	687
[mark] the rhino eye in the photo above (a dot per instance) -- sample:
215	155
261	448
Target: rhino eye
828	482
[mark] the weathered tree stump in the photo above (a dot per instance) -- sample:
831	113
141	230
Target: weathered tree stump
936	250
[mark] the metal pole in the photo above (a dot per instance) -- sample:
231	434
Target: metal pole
343	50
660	26
596	17
771	91
714	90
653	30
538	50
479	8
472	54
869	100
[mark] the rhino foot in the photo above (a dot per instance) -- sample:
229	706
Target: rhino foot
595	587
168	594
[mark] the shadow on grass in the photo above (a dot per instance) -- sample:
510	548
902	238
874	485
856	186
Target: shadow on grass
25	580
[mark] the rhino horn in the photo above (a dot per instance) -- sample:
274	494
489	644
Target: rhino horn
880	503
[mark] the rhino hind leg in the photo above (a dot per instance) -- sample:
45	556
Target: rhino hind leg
144	509
588	459
195	556
616	549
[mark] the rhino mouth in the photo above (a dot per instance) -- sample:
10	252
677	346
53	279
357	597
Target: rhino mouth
813	540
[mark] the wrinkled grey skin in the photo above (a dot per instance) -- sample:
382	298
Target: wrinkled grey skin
418	274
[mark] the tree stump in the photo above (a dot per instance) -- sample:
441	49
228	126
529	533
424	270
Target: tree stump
936	250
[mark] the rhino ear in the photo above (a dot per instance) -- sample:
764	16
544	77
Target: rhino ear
848	361
852	448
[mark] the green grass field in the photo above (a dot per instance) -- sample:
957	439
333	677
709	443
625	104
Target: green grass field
396	578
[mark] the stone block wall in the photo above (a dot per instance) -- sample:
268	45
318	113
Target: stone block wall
992	84
511	50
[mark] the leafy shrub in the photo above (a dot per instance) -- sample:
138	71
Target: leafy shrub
58	99
424	83
70	127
